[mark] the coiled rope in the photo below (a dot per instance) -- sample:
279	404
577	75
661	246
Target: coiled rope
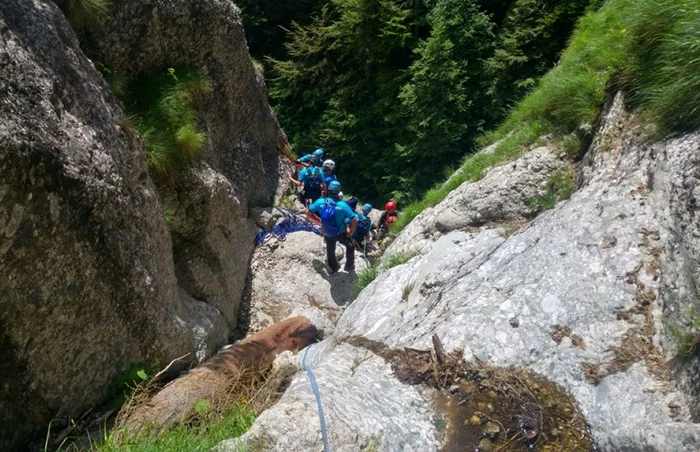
292	222
317	395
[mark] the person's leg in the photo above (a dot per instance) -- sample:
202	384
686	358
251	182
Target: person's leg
349	253
330	253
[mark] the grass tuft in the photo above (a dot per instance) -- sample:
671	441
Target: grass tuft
367	275
395	259
559	187
162	106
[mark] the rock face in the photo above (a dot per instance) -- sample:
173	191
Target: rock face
87	274
585	295
241	166
499	197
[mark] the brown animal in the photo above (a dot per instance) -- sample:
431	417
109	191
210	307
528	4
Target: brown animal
176	401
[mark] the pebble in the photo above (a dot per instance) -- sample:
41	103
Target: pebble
485	445
491	429
454	389
514	322
474	421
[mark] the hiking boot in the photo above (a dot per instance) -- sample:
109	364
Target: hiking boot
349	269
332	270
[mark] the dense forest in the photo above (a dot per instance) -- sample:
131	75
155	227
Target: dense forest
398	91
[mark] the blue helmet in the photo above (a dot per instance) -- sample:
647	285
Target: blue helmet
318	153
334	187
367	208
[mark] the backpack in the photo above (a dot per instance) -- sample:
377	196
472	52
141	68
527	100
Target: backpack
312	182
352	202
364	225
327	214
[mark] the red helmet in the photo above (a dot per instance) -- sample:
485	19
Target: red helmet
390	206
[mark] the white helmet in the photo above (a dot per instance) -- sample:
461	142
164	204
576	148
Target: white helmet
330	164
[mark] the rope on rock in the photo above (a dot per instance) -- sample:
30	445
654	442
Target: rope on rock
317	395
293	222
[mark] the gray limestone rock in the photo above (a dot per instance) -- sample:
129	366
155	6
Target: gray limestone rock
291	278
86	276
500	196
365	406
241	166
593	265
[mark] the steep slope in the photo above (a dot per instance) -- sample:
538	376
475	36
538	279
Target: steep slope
582	295
89	277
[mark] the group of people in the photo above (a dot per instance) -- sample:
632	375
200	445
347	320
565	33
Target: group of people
320	191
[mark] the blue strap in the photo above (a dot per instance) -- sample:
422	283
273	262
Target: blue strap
292	222
317	395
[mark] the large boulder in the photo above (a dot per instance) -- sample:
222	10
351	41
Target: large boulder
241	167
88	277
501	196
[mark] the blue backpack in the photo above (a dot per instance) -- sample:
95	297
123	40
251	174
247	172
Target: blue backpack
312	182
327	214
364	225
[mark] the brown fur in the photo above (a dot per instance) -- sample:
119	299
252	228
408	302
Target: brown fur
246	358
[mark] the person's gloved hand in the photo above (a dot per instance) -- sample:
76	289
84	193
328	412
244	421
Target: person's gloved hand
347	231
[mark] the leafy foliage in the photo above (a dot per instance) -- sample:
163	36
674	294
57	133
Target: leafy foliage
341	85
529	42
124	383
443	97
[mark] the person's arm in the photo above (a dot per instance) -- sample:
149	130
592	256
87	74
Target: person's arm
294	181
312	210
353	225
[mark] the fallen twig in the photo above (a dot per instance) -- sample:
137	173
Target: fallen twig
167	368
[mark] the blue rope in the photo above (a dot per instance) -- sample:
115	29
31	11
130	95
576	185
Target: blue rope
292	222
317	395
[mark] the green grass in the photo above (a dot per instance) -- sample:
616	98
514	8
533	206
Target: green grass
369	274
559	187
199	437
406	292
162	106
395	259
648	48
